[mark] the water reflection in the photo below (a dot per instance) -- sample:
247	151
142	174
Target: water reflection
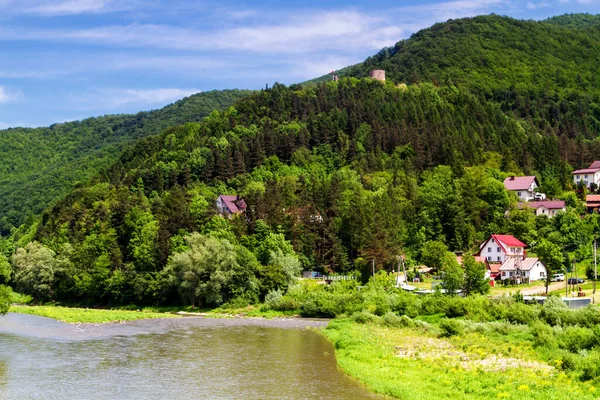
169	359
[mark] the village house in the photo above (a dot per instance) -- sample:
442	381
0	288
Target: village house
592	202
588	175
229	205
523	186
547	207
531	269
507	259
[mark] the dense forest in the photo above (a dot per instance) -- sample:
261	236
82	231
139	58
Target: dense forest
39	165
337	175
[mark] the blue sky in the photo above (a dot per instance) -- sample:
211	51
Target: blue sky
70	59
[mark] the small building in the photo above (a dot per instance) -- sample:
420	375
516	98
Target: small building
500	247
547	207
378	75
228	205
592	202
529	269
523	186
588	175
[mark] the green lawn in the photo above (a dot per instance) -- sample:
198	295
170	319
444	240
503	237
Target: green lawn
414	363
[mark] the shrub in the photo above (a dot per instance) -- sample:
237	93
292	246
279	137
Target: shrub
451	327
543	335
590	366
406	304
576	338
396	321
364	317
554	311
520	313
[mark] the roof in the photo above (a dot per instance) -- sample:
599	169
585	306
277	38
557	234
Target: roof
478	258
585	171
549	204
509	240
526	264
494	267
518	182
595	164
235	204
592	198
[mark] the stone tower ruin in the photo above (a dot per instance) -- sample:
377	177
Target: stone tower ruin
378	75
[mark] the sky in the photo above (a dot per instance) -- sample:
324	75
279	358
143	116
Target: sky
65	60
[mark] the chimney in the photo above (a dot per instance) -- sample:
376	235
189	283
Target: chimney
512	178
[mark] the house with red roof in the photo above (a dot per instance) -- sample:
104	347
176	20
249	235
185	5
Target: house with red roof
592	202
588	175
498	247
524	186
547	207
229	205
506	258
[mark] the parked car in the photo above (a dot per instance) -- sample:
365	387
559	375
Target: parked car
575	281
558	277
539	196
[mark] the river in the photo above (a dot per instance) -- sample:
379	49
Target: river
186	358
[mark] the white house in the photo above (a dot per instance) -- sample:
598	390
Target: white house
531	269
523	186
228	205
588	175
500	247
548	207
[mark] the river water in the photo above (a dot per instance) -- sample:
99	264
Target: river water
186	358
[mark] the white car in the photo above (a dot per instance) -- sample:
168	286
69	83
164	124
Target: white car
539	196
558	277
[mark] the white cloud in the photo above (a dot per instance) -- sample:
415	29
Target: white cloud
7	95
534	6
118	98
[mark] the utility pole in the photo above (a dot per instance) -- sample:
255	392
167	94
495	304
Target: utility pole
373	266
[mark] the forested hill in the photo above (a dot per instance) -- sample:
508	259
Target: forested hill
575	20
39	165
335	173
338	173
545	71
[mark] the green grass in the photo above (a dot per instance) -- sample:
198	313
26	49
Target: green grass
434	367
88	315
131	313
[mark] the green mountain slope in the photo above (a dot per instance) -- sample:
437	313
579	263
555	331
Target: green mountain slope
342	173
581	21
39	165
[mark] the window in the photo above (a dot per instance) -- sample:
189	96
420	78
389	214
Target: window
503	273
489	249
519	194
498	249
489	258
585	176
498	258
492	240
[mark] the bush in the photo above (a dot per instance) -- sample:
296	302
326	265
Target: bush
576	338
451	327
520	313
364	317
393	320
543	335
590	366
554	311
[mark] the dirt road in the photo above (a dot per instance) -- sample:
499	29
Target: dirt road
542	289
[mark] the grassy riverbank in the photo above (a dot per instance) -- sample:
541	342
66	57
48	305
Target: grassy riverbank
88	315
94	315
418	361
